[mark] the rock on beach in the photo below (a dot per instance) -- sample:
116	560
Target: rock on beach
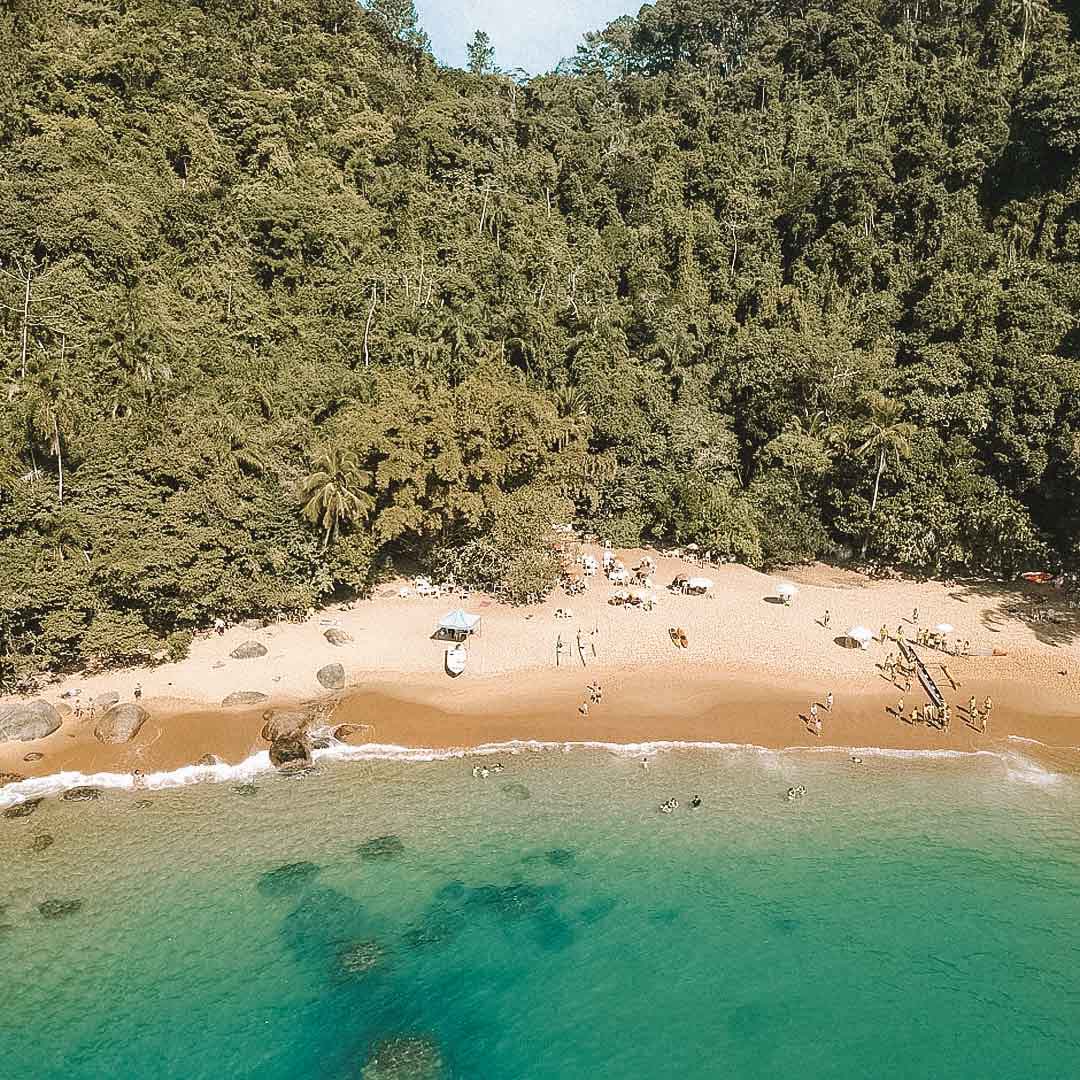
248	650
332	676
28	720
244	697
121	723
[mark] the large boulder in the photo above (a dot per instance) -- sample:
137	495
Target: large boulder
337	636
332	676
248	650
22	809
81	794
244	697
106	699
28	720
290	752
10	778
285	724
121	723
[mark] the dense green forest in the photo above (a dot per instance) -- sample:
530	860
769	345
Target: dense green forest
285	303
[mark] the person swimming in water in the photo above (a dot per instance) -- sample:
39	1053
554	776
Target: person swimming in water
695	801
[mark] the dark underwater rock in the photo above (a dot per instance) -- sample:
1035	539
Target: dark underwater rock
404	1058
245	789
560	856
360	957
41	843
290	878
516	791
23	809
81	794
382	847
58	909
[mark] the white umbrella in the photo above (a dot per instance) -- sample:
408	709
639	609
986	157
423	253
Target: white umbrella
702	583
861	635
618	576
785	588
943	628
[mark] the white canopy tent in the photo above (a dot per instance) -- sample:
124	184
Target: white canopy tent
943	628
458	625
698	584
861	634
785	590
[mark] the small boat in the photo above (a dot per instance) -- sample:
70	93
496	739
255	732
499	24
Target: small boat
456	656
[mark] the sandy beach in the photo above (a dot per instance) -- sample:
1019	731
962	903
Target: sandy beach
751	671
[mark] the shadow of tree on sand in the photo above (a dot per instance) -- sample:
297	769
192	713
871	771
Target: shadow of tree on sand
1053	617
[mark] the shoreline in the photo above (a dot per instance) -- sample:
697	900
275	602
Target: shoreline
751	672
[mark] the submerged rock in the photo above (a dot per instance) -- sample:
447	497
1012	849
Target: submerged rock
360	957
121	723
246	789
332	676
321	743
290	752
248	650
41	843
515	791
81	794
337	636
560	856
285	723
404	1058
244	697
290	878
23	809
57	909
382	847
28	720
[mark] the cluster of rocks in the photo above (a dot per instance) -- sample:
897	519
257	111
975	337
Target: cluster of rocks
404	1058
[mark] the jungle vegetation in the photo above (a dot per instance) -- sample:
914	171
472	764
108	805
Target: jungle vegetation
285	303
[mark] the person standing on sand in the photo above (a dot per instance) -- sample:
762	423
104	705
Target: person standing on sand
583	708
915	617
817	727
900	708
971	705
138	691
813	713
916	716
825	621
594	633
987	706
828	701
945	719
883	634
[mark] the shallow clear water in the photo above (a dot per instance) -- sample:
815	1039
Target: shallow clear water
908	918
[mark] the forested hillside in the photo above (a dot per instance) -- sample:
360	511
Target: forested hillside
284	301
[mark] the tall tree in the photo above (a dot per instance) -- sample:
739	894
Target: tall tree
335	494
481	54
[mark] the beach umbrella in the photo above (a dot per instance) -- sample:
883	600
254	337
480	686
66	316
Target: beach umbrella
943	628
861	635
700	584
786	590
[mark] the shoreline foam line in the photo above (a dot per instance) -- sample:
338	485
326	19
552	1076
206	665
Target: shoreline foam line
55	784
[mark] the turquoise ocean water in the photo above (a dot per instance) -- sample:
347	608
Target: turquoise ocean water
911	917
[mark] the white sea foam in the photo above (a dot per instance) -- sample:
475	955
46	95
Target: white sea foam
1018	767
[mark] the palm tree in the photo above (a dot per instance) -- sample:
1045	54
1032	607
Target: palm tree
573	414
1031	11
50	407
884	436
334	492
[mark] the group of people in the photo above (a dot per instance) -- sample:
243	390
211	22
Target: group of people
980	718
929	714
814	722
482	772
669	806
596	696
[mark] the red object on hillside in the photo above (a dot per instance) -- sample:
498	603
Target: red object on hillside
1038	577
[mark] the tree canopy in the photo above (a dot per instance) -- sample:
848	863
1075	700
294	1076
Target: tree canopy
285	303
